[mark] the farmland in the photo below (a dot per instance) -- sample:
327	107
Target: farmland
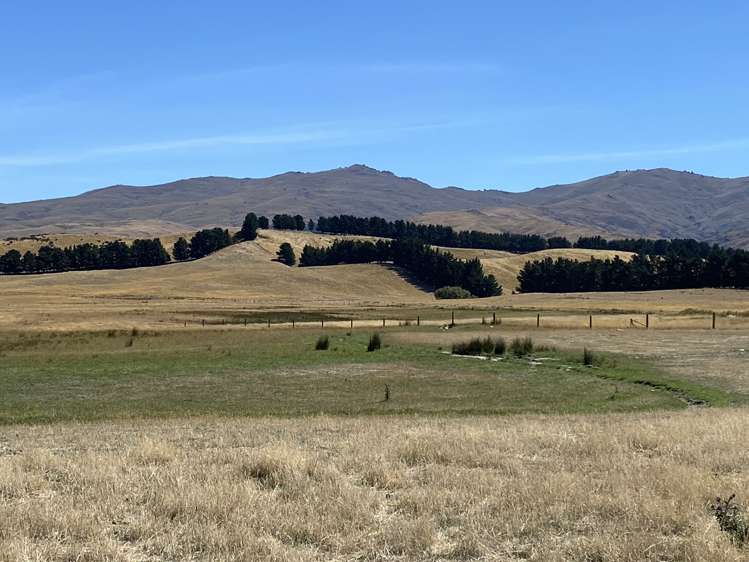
183	413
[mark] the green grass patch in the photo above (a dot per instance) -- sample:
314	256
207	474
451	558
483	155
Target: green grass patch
97	376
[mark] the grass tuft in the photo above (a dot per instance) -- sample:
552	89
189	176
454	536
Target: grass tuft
477	346
521	347
323	343
471	347
500	346
588	357
375	342
731	519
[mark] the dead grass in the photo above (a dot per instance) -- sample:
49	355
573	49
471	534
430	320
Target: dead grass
609	488
245	277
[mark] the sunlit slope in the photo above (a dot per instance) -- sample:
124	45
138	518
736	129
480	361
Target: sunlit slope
506	266
241	277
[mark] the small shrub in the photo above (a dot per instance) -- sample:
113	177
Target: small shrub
471	347
452	293
500	346
520	347
487	346
375	342
588	357
731	519
323	343
477	346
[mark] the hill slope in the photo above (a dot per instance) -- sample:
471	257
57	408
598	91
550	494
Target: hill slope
657	203
651	203
200	202
239	278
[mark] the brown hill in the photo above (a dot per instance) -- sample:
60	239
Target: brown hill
223	201
659	203
651	203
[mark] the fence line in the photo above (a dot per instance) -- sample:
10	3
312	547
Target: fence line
539	321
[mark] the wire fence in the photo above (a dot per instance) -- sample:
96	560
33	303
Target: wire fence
631	321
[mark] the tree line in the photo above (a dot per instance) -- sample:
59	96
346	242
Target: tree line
720	268
438	235
648	246
425	264
109	255
113	254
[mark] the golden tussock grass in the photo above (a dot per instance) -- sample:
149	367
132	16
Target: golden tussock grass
245	277
604	488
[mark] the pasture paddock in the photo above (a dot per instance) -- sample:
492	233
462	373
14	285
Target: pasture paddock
620	487
148	437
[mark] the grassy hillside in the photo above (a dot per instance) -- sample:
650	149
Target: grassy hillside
242	277
506	266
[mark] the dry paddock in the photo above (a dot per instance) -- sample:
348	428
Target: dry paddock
599	488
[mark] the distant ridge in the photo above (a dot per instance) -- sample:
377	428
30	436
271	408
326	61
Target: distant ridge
652	203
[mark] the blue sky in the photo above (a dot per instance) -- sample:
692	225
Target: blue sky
509	95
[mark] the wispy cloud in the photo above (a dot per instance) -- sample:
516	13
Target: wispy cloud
317	68
563	158
415	67
271	138
337	133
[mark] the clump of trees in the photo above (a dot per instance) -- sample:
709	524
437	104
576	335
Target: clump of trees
249	228
721	267
207	241
288	222
109	255
286	254
181	250
425	264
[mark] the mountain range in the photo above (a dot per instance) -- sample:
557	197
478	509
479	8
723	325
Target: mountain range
658	203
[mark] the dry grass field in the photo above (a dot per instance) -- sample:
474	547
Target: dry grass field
245	279
626	487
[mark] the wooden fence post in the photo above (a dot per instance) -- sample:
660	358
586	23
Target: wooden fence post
538	320
418	320
269	322
713	320
383	322
590	322
647	321
322	323
352	323
494	318
452	319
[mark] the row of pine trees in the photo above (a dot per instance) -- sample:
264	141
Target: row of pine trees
423	263
722	267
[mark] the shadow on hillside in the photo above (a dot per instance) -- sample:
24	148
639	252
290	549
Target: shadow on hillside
406	276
